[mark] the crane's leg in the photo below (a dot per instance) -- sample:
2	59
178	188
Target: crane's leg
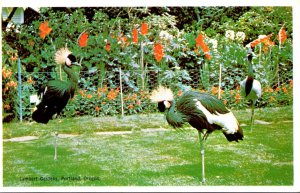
55	145
202	156
55	141
252	115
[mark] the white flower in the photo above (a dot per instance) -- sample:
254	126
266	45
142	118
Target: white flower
229	34
165	36
261	36
240	36
213	42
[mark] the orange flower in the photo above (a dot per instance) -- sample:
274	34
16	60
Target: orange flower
89	96
237	97
204	47
277	89
158	52
208	56
291	83
254	43
107	46
272	98
265	40
199	40
12	84
214	90
13	57
97	108
112	94
30	81
144	28
6	107
225	101
130	106
282	35
44	29
103	89
6	73
179	93
285	90
138	102
123	40
83	39
268	89
82	93
135	34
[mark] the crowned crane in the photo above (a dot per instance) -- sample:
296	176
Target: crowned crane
202	111
250	87
55	95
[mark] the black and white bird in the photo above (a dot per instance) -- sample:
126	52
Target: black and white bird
202	111
54	96
250	87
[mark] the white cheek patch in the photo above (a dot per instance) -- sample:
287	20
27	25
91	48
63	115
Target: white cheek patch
68	62
34	99
227	121
167	104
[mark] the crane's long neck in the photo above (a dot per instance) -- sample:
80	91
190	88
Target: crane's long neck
176	119
250	65
71	75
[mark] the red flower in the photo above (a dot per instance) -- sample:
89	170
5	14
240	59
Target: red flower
254	43
204	47
97	108
135	34
265	40
207	55
83	39
44	29
158	51
107	46
144	29
199	40
282	35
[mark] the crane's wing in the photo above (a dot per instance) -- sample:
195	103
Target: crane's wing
206	110
210	102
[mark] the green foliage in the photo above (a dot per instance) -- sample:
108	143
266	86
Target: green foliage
111	49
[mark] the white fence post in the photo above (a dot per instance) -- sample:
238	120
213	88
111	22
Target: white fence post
20	89
121	91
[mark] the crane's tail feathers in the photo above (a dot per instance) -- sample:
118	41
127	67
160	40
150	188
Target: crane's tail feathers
41	116
161	94
61	55
238	135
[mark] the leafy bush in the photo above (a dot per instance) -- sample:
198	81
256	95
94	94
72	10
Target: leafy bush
147	51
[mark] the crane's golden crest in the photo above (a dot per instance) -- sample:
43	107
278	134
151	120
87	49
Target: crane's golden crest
161	94
61	55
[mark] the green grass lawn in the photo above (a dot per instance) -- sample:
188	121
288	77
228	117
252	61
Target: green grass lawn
161	158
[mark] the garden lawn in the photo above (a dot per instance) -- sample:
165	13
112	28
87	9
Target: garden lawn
149	158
